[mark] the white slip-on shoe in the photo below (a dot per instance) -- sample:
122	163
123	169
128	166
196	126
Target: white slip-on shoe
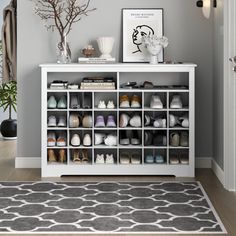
100	159
184	121
61	121
87	141
62	104
102	105
110	105
75	140
51	140
99	138
52	121
110	159
176	102
135	121
124	120
111	140
156	102
173	120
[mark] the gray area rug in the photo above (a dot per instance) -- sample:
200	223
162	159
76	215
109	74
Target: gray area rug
99	207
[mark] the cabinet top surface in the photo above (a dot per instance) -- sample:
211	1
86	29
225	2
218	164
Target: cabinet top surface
117	66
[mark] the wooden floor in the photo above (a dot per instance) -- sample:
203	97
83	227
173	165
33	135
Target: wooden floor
223	201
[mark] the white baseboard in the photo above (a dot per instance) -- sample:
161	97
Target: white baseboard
218	172
28	162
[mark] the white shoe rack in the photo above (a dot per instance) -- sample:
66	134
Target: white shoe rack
162	75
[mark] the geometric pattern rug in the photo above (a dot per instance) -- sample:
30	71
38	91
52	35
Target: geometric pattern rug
107	207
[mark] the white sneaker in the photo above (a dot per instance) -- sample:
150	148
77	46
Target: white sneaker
61	122
159	123
124	120
156	102
173	120
111	140
51	141
176	102
52	121
100	159
75	140
99	138
135	121
102	105
110	105
109	159
87	141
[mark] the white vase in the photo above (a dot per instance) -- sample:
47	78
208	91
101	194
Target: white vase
154	52
105	45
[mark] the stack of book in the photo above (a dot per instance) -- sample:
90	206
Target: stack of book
98	83
95	60
58	84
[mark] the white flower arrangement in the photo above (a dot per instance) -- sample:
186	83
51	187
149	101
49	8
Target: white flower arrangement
154	41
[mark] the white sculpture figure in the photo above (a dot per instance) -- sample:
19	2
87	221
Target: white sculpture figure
154	46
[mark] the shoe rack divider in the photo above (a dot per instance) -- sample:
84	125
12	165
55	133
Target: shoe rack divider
161	74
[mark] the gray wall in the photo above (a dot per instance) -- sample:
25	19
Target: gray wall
190	37
218	75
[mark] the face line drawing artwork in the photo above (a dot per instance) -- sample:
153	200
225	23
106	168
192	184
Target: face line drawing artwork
139	32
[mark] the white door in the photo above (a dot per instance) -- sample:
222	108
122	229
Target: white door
230	95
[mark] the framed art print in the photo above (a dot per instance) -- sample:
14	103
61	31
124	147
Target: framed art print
136	24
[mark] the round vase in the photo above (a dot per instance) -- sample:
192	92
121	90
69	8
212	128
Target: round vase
105	45
9	129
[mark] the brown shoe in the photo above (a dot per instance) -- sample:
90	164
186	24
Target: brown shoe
124	101
51	156
75	156
135	101
85	158
62	155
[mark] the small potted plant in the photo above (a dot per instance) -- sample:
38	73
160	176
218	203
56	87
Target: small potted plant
8	96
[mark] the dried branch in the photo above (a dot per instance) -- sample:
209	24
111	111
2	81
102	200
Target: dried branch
61	14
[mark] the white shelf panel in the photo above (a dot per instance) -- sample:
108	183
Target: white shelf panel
56	128
56	147
130	128
179	147
130	147
153	128
80	109
178	128
80	147
182	109
81	128
56	109
104	147
155	109
104	128
106	109
155	147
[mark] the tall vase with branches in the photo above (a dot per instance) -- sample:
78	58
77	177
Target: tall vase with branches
61	15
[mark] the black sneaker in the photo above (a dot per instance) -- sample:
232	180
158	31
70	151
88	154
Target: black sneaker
135	140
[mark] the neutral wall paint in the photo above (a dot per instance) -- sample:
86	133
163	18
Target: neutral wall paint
189	33
218	84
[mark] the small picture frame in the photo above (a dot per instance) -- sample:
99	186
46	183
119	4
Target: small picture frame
137	23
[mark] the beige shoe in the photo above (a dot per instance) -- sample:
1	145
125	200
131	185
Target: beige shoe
74	121
174	139
62	155
87	121
51	156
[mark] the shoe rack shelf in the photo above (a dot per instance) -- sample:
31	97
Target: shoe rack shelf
168	77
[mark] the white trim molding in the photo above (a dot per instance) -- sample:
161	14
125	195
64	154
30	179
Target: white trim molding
218	172
28	162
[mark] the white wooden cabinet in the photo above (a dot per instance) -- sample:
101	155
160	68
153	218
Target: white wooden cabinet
163	75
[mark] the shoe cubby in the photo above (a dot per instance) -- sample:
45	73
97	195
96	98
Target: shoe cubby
179	100
132	157
138	128
82	156
80	119
105	157
130	119
155	138
130	138
105	101
57	156
179	139
155	100
155	120
179	157
105	120
155	156
130	100
57	101
81	138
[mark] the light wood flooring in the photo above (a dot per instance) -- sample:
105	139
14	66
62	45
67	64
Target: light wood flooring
223	201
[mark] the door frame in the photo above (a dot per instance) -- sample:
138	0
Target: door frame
229	96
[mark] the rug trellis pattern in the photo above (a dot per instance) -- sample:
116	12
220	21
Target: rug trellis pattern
106	207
